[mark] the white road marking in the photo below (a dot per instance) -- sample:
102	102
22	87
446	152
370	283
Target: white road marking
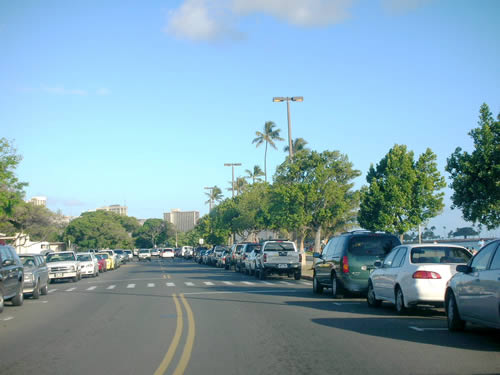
245	291
151	285
265	282
7	318
248	282
70	289
228	283
285	282
208	283
38	302
91	288
130	286
188	283
52	290
111	287
170	284
306	283
418	329
346	303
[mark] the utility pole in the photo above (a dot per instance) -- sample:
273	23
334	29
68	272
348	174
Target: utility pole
287	100
211	188
232	165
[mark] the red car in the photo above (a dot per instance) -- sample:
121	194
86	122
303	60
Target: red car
102	263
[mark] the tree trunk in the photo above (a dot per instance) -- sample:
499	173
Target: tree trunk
317	240
265	163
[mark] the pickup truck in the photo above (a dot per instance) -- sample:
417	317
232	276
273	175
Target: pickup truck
63	265
278	257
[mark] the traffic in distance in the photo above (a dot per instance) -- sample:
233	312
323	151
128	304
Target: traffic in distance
375	265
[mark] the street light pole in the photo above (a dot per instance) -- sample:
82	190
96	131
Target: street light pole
232	165
211	188
288	99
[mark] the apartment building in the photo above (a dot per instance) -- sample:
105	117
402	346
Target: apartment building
116	208
183	220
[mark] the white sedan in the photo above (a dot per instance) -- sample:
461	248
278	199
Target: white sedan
89	266
415	274
167	253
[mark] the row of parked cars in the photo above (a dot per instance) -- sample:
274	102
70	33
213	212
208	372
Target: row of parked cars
378	266
30	274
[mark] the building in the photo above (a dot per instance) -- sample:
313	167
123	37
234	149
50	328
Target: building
39	201
183	220
116	208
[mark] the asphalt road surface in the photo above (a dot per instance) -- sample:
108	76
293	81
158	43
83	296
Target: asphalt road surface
178	317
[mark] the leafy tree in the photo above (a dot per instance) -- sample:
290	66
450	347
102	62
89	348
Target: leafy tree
215	195
402	193
255	175
298	144
318	190
152	233
465	232
269	136
11	190
476	177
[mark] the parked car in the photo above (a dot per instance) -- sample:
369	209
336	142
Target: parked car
250	261
235	253
197	253
155	252
102	261
207	256
63	265
221	259
187	252
36	275
415	274
130	254
168	253
218	251
145	254
278	257
89	266
201	255
107	258
122	255
347	260
473	293
240	254
177	252
113	257
11	277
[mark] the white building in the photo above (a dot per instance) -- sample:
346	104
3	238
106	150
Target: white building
39	201
116	208
183	220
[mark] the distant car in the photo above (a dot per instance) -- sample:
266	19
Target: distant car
11	277
167	253
187	252
113	257
241	254
102	261
473	293
122	255
63	265
206	256
107	258
145	254
413	275
250	261
130	254
201	255
36	275
278	257
155	252
89	265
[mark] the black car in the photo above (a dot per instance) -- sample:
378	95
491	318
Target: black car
346	261
11	277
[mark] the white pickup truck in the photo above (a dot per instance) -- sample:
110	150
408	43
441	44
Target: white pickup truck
63	265
278	257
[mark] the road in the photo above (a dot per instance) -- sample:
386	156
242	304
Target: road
175	317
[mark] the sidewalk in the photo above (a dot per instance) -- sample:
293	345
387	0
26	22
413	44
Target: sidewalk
307	272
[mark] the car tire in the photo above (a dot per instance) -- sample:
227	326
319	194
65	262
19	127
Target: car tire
334	287
36	291
262	274
19	297
1	301
317	287
400	301
370	297
45	290
455	323
297	275
75	279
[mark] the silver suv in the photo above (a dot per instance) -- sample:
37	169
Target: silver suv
278	257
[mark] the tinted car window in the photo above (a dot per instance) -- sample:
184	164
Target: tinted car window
389	259
480	261
372	245
495	263
28	261
330	247
5	254
60	257
398	259
250	247
339	246
280	246
439	255
84	258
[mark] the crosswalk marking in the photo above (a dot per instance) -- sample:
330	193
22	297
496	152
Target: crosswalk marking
91	288
285	282
70	289
188	283
52	290
208	283
228	283
130	286
111	287
248	282
170	284
305	283
151	285
266	282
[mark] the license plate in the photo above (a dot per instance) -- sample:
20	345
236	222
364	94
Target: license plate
282	265
59	275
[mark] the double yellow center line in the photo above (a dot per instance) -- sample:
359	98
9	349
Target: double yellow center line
188	346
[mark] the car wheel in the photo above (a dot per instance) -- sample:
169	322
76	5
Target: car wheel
334	286
297	275
262	274
1	301
400	301
317	287
75	279
44	290
36	291
19	298
455	323
371	298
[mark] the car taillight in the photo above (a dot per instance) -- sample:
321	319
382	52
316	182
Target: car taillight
345	264
264	258
426	275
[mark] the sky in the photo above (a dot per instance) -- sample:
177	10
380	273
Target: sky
141	103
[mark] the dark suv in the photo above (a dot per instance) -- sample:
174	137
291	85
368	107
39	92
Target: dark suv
346	261
11	277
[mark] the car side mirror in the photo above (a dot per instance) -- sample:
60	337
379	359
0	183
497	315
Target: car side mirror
464	268
378	264
317	255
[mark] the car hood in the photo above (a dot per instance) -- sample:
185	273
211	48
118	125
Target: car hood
62	264
86	262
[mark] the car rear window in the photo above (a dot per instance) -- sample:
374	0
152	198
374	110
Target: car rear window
60	257
441	254
372	245
84	258
280	246
28	261
251	247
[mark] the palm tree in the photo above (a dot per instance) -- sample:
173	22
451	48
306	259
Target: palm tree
268	136
297	145
239	185
215	195
255	175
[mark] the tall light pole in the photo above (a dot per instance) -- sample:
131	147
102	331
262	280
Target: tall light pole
287	100
232	165
211	188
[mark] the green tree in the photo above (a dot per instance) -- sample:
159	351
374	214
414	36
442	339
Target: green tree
11	190
255	175
214	196
152	233
298	144
476	177
318	189
465	232
269	136
402	193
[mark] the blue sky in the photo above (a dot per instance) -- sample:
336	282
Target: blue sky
143	102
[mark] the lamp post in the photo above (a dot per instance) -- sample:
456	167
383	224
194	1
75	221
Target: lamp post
232	165
211	188
288	99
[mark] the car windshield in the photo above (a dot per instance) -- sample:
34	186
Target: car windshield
28	261
143	251
372	245
84	257
252	247
119	251
64	257
441	254
103	256
275	246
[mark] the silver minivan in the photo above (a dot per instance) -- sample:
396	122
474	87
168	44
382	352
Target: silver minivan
36	275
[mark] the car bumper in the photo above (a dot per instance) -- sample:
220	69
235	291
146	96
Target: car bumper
425	292
355	285
62	275
280	267
87	271
28	286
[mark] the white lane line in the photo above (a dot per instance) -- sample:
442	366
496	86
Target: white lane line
38	302
418	329
306	283
70	289
285	282
248	283
245	291
208	283
265	282
151	285
130	286
111	287
170	284
346	303
91	288
228	283
52	290
188	283
7	318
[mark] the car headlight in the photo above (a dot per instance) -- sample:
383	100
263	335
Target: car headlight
72	268
28	276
